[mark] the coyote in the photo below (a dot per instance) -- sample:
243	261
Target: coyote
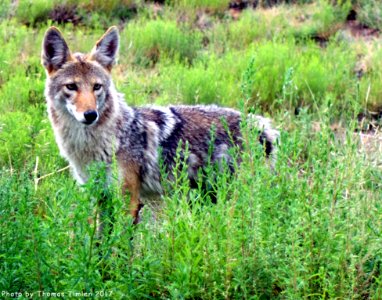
93	123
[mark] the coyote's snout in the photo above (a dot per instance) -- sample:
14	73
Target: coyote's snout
92	122
81	101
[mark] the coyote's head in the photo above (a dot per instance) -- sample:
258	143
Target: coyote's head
78	84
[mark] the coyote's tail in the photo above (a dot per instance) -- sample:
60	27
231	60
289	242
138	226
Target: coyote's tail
269	137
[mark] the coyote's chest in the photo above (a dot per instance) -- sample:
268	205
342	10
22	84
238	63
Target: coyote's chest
82	146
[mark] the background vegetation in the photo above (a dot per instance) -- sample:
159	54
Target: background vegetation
311	229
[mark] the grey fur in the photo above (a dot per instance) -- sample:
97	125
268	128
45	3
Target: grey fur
135	136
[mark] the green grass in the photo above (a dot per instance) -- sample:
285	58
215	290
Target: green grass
150	39
310	229
313	227
211	6
319	19
370	13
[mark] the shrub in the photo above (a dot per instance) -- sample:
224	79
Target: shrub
317	20
155	38
16	40
194	85
308	73
212	6
17	133
325	20
24	89
265	237
103	14
284	75
73	11
5	9
108	7
326	71
241	33
369	12
26	135
211	79
32	12
370	87
271	61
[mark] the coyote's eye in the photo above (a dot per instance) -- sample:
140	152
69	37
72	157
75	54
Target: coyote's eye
97	87
71	87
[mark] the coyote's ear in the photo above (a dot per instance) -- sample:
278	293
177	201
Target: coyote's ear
106	49
55	51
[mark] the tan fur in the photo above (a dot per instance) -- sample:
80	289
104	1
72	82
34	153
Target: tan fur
85	101
132	184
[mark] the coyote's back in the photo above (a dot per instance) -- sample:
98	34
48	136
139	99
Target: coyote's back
92	122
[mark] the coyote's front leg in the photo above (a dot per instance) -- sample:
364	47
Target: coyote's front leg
132	184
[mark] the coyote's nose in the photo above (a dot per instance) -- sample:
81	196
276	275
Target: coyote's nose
90	116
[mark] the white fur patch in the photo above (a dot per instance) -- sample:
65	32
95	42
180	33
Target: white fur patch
265	125
72	110
272	135
170	120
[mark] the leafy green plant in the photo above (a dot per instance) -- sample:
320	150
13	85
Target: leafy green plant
108	7
212	6
317	20
193	85
370	90
32	12
266	236
5	9
369	13
155	38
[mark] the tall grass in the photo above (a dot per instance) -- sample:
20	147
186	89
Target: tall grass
312	227
316	20
315	72
152	39
370	90
369	13
38	12
211	6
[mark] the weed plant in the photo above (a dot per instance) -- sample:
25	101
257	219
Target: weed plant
211	6
370	90
316	72
88	13
154	38
369	13
268	234
317	20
